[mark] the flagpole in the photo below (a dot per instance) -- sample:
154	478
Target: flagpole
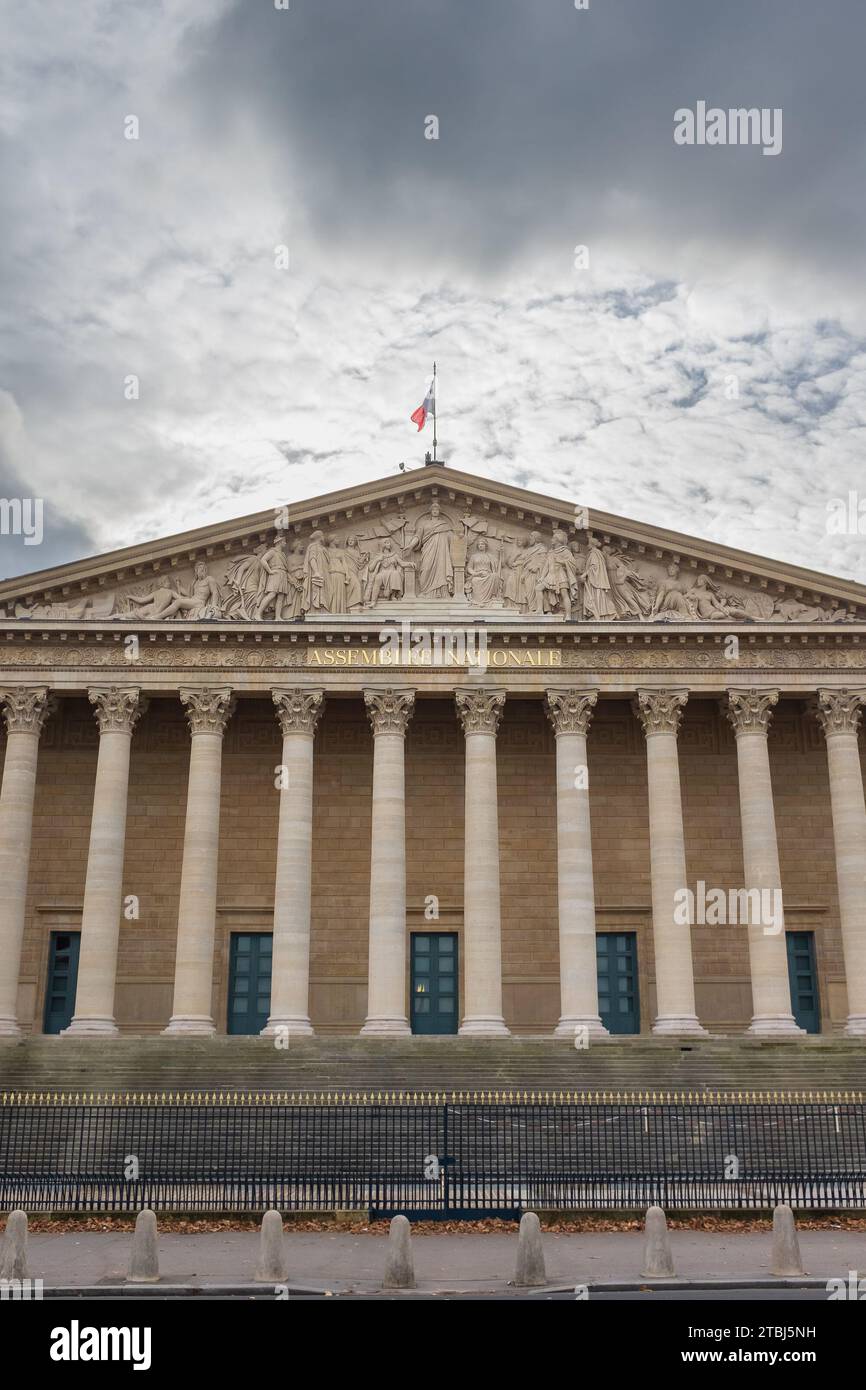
435	410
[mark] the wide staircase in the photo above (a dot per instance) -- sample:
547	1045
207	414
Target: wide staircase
453	1064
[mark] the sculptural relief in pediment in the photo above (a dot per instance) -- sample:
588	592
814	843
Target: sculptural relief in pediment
437	559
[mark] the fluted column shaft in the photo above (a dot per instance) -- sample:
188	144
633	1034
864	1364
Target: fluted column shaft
570	714
750	712
25	710
298	712
839	713
117	711
208	712
480	712
389	711
660	712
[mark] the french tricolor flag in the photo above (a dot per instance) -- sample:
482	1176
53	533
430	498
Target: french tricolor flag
419	416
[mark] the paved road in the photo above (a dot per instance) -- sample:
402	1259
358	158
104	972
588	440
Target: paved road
346	1262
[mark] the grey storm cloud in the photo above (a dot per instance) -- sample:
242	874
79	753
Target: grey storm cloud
707	371
555	123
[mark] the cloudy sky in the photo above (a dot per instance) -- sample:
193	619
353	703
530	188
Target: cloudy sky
706	371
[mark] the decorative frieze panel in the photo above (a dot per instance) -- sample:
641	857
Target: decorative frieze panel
433	557
688	656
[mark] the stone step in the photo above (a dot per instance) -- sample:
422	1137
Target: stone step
158	1064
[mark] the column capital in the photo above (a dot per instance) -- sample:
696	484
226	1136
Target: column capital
839	711
117	708
660	711
750	711
389	710
299	709
480	711
26	708
208	711
570	711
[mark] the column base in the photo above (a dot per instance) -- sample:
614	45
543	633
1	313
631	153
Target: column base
9	1028
189	1026
774	1026
678	1025
484	1026
854	1028
295	1027
91	1028
386	1028
567	1027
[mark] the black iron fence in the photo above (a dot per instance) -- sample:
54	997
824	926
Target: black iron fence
466	1155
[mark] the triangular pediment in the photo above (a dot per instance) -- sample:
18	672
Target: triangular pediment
434	542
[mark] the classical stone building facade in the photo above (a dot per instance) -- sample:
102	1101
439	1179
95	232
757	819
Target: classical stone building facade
433	753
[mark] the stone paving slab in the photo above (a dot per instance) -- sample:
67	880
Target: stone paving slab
343	1261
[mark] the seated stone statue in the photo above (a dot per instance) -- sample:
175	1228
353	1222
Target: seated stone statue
166	601
385	575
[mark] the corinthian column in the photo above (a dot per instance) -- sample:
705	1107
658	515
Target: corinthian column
298	712
117	712
25	709
390	712
208	712
750	712
570	713
480	712
660	713
839	713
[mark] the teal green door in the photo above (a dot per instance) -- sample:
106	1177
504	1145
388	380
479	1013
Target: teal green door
805	1004
616	957
434	982
249	981
62	980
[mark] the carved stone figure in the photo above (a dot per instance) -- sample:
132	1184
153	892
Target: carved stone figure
357	569
793	611
670	599
64	611
277	585
432	537
560	580
243	582
166	601
598	603
482	576
631	593
533	567
339	574
511	567
295	567
385	578
708	601
315	596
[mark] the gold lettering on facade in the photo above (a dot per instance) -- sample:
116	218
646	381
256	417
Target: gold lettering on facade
387	656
